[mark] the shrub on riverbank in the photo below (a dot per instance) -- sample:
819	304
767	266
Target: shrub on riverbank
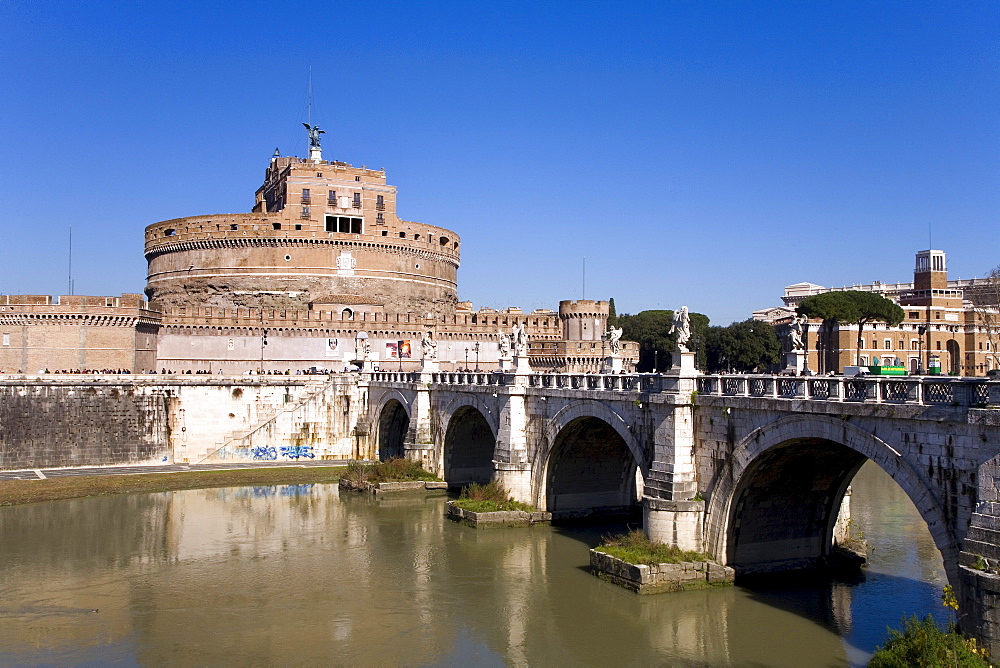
17	492
925	643
489	498
398	469
635	547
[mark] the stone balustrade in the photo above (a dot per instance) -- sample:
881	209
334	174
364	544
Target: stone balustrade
924	390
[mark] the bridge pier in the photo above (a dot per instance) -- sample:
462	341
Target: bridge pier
979	604
672	512
516	479
512	466
419	444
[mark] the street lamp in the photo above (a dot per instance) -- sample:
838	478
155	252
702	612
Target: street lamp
476	348
921	331
656	357
466	359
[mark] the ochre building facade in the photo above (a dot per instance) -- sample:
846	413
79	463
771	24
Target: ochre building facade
941	330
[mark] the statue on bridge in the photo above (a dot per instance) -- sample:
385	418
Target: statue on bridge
795	333
614	339
682	325
429	346
504	342
520	340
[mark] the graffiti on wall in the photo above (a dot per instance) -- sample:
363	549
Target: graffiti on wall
267	453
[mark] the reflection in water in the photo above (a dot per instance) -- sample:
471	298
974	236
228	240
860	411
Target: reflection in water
297	574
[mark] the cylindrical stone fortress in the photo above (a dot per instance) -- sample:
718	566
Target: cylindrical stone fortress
321	232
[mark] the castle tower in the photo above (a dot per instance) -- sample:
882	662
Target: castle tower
584	319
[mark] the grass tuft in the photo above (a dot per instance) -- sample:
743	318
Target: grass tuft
635	547
489	498
391	470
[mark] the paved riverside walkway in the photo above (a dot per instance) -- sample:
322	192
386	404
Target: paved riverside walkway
41	474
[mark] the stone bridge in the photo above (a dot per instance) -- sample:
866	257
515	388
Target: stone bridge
752	469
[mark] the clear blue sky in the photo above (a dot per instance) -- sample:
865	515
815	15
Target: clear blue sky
695	153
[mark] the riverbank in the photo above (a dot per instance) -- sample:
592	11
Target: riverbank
18	492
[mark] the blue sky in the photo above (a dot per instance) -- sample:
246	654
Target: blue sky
695	153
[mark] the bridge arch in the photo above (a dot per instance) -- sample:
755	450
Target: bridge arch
392	417
470	440
592	462
777	506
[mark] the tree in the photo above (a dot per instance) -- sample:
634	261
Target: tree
832	308
612	314
984	295
848	307
871	308
746	347
649	329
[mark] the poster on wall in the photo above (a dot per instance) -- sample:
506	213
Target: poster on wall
333	347
390	350
403	349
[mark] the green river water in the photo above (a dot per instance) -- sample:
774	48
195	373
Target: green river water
302	575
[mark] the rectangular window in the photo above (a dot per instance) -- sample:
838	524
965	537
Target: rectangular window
6	339
887	344
357	201
938	346
913	344
380	203
379	218
344	224
305	212
914	315
298	227
331	198
276	226
305	196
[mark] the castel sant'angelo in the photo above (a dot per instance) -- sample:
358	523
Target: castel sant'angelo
321	263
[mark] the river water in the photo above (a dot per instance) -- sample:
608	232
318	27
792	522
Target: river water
304	575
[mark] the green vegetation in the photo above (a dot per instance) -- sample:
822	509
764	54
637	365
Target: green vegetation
636	548
489	498
649	329
744	347
392	470
849	307
924	643
17	492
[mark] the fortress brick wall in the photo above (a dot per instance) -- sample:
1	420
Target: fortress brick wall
76	332
44	424
83	420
